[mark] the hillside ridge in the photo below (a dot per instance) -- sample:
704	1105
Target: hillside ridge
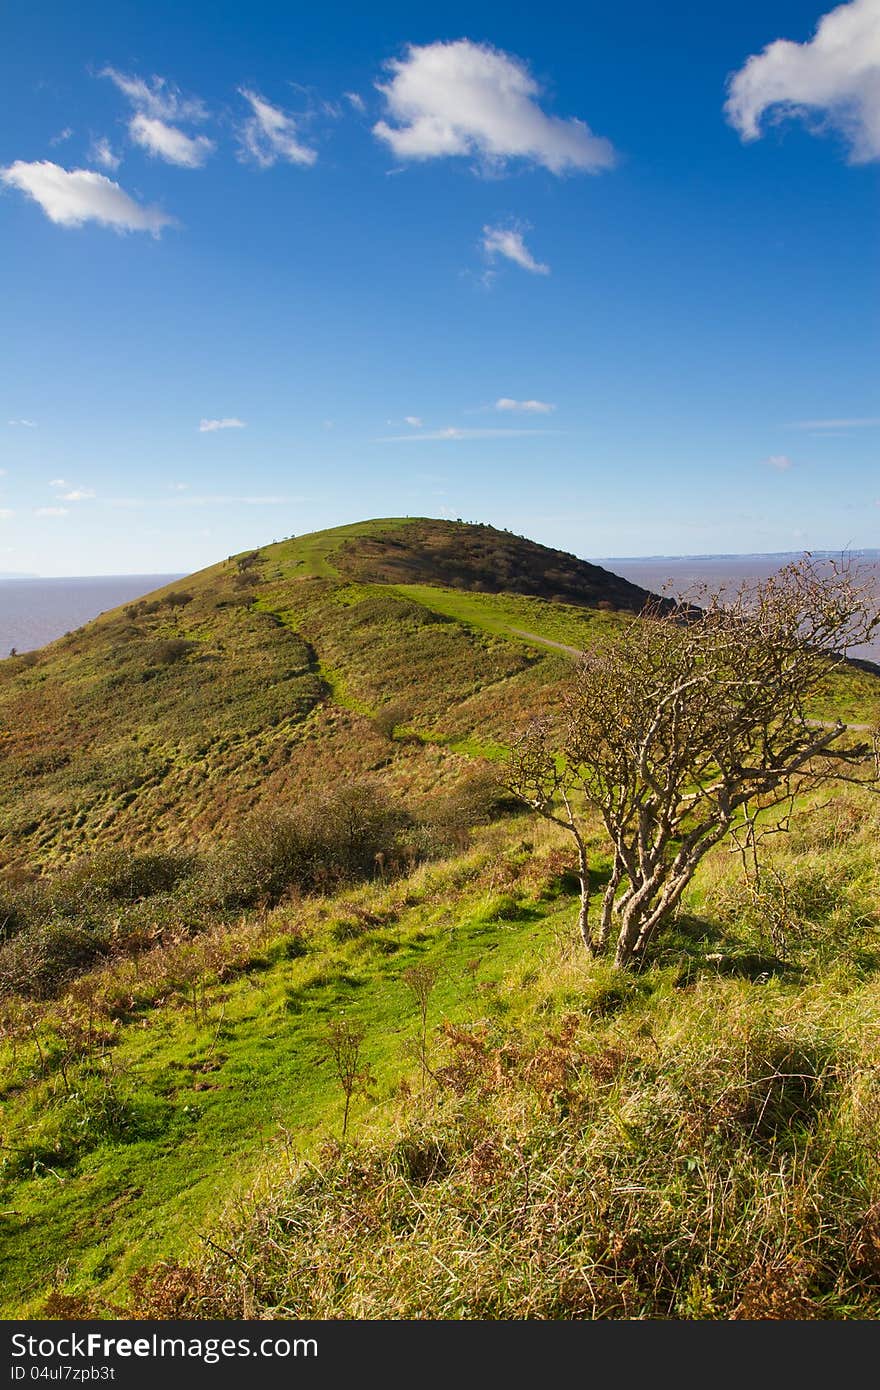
274	670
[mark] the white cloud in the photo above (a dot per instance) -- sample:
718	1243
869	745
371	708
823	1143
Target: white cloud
72	197
846	424
837	73
157	98
28	424
504	241
50	511
102	153
415	420
228	423
356	101
779	461
454	433
6	513
466	98
269	134
58	482
178	487
526	407
62	135
79	494
169	143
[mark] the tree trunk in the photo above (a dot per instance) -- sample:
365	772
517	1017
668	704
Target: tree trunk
584	911
634	911
608	906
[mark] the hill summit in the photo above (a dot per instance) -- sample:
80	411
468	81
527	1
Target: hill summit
396	649
464	555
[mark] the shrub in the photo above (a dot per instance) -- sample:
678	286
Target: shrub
118	876
388	718
42	958
172	649
333	839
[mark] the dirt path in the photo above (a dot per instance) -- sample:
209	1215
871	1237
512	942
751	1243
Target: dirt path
545	641
829	724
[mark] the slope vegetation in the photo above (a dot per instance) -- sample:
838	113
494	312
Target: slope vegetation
261	677
260	804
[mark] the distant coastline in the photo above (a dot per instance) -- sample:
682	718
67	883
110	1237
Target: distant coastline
34	611
782	556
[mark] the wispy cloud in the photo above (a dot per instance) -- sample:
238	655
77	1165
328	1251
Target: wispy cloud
28	424
168	143
6	513
62	135
270	134
507	242
79	494
781	462
157	97
58	482
835	74
465	98
72	197
454	433
524	407
51	511
101	152
229	422
159	106
415	420
356	101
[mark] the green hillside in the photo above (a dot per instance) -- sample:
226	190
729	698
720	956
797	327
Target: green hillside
264	801
173	716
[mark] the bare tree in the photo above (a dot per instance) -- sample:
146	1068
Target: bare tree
687	719
420	981
344	1042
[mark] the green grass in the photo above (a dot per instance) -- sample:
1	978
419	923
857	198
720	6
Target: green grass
171	722
584	1170
512	615
311	556
221	1088
232	1102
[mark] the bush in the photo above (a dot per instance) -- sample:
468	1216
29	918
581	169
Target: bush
172	649
388	718
120	877
334	839
42	958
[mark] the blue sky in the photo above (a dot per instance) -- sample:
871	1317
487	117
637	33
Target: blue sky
606	277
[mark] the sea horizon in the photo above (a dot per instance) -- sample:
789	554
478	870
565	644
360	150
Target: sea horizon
36	610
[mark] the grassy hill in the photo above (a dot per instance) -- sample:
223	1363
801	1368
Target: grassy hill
259	678
260	802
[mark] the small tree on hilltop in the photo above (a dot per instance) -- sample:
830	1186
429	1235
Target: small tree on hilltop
681	725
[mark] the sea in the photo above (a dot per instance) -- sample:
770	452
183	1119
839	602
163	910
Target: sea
679	575
36	611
